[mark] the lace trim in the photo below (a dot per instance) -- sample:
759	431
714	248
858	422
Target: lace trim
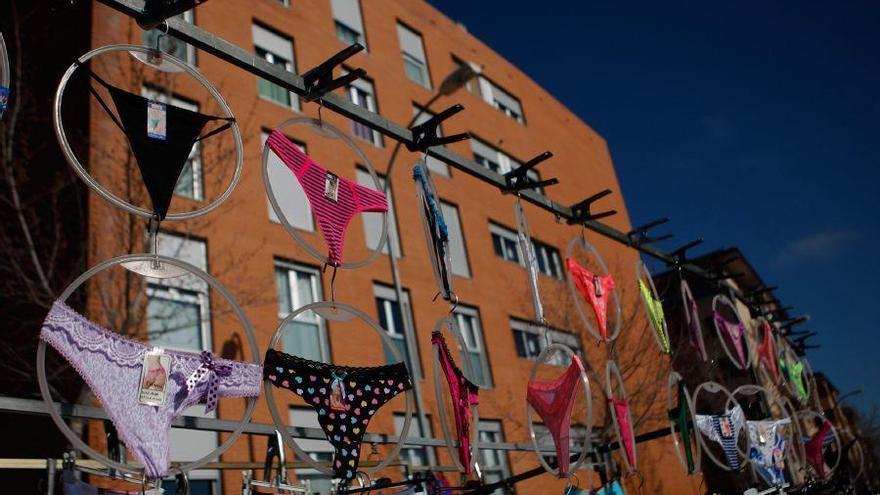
394	371
65	327
442	343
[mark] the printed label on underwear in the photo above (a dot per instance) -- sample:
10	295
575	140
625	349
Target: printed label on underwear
154	377
337	400
156	120
4	97
331	187
726	427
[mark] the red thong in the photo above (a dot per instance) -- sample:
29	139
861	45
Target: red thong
596	290
767	353
553	401
621	409
464	395
815	449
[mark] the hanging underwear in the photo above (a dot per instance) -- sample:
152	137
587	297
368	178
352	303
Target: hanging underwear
334	200
695	330
161	137
345	397
655	313
437	227
735	333
767	353
621	409
724	429
553	401
111	366
767	449
596	290
796	375
464	395
682	417
815	448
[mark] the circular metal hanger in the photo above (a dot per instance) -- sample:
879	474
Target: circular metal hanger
690	319
542	358
524	238
569	251
192	270
672	390
450	323
642	273
715	388
612	369
752	390
722	300
426	199
5	75
97	186
327	130
338	312
795	449
809	415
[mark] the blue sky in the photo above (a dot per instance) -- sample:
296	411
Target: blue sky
751	124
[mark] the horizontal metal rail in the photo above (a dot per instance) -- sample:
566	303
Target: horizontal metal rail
235	55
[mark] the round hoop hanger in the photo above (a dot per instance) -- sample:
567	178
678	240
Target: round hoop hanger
642	273
611	368
338	312
524	237
671	386
327	130
426	194
715	388
449	323
722	300
251	402
750	389
856	447
542	358
807	414
4	76
796	448
790	358
569	251
691	319
105	193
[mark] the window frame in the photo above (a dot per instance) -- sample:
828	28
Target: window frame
447	208
430	452
520	326
337	23
355	91
273	217
269	57
485	88
317	295
388	294
494	433
547	252
478	346
423	65
393	238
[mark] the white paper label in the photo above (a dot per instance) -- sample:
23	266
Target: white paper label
331	187
156	120
154	377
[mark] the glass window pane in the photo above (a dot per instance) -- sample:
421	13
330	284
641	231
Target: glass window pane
456	240
282	286
302	339
172	322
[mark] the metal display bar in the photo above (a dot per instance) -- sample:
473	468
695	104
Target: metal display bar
29	406
235	55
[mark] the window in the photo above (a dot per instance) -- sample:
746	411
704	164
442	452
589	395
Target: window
456	240
498	161
493	94
178	317
391	318
277	50
297	286
575	441
373	220
415	456
319	450
505	242
361	93
414	62
189	184
285	3
530	341
170	44
348	20
493	461
468	320
289	193
434	165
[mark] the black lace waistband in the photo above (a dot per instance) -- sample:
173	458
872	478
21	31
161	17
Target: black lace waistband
395	371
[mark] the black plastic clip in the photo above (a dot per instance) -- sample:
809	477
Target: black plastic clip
426	135
517	179
786	325
639	235
157	11
679	255
581	213
319	80
753	295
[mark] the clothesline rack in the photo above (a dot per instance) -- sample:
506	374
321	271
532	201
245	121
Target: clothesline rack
248	61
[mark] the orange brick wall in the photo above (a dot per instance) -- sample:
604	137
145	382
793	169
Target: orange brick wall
496	287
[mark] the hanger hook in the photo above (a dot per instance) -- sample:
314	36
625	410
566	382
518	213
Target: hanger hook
454	298
320	107
162	34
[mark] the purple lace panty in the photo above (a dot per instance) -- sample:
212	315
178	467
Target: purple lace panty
111	365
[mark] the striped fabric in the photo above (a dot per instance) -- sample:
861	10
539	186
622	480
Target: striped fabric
724	429
333	216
